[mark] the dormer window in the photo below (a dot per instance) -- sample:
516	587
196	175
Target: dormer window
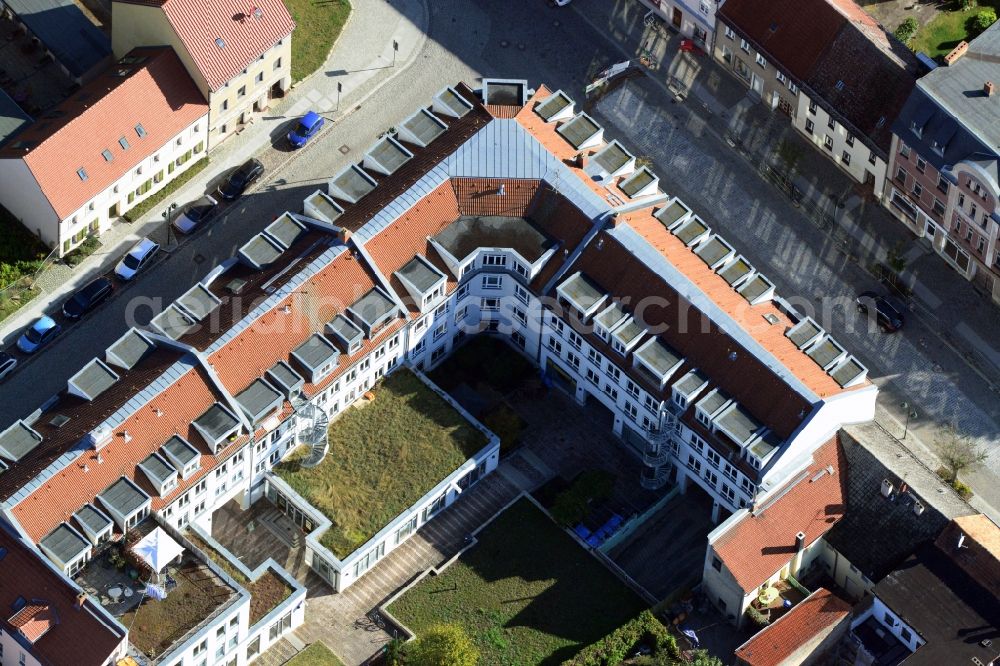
182	455
161	474
703	418
217	426
680	400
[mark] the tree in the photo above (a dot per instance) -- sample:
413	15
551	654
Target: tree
905	30
443	644
978	23
958	452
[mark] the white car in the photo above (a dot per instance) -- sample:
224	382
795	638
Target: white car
137	258
561	3
7	364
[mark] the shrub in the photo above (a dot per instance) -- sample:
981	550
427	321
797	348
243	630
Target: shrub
905	30
147	205
978	23
444	644
757	617
616	646
82	251
962	489
505	424
571	505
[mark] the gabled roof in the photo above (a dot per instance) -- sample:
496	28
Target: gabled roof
156	93
201	23
812	619
763	540
34	620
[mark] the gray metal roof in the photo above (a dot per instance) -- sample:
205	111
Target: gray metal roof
611	315
579	129
65	30
65	544
92	380
457	105
611	158
346	331
199	302
421	274
315	352
848	371
714	250
285	230
553	104
351	184
737	422
124	497
285	378
388	155
260	251
129	349
469	233
373	309
179	452
581	291
691	231
259	399
825	352
12	117
91	519
803	332
712	402
669	215
18	440
423	127
690	382
637	181
173	322
736	270
755	287
658	356
322	206
216	423
157	469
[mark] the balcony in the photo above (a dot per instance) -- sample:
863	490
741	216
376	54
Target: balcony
778	599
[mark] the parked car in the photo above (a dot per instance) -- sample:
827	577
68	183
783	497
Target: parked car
136	259
88	298
38	334
308	127
7	364
241	179
888	313
194	214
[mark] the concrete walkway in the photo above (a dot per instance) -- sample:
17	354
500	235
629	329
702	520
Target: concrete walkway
361	61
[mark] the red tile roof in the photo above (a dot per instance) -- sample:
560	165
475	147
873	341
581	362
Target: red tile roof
61	632
762	542
198	23
156	93
479	196
817	614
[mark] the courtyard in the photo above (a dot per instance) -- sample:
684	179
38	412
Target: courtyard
384	455
942	24
526	593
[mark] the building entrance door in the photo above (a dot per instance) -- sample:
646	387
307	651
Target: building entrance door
676	19
756	83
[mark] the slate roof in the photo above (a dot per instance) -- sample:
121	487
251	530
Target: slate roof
877	533
816	615
198	23
156	93
73	39
78	637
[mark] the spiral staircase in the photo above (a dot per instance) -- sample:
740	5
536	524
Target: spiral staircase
656	456
314	434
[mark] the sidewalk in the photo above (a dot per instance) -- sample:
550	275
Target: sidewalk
361	61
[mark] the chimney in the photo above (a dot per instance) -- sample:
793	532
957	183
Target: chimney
956	53
800	545
81	599
345	235
989	88
581	159
800	541
501	191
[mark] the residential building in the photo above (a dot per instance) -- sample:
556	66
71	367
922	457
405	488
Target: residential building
508	215
940	606
801	637
239	55
64	33
47	617
828	66
115	142
692	18
944	165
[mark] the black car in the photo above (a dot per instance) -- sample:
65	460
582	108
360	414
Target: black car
888	313
241	179
88	298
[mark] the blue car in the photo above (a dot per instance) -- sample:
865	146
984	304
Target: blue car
308	127
38	334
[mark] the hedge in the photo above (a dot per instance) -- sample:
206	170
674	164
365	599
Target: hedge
152	202
82	251
618	645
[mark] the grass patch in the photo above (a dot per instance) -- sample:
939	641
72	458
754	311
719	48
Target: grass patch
266	592
943	33
317	26
383	457
15	299
155	200
526	593
316	654
21	256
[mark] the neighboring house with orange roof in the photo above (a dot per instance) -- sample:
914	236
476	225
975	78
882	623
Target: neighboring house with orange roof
802	636
115	142
239	54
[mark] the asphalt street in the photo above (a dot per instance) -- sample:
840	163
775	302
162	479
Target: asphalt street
468	39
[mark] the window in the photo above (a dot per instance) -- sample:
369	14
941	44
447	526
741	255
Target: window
520	315
831	123
761	61
703	418
921	164
573	359
225	106
871	157
745	45
713	457
904	150
631	410
980	245
942	185
242	92
905	634
716	563
494	260
521	293
462	292
492	281
792	87
123	142
901	175
631	388
490	304
729	33
555	345
917	189
812	108
810	126
406	530
259	78
82	173
828	143
938	207
277	64
850	139
781	77
972	211
846	158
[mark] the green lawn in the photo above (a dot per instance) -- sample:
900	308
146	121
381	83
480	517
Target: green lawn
316	654
526	593
947	29
384	456
317	25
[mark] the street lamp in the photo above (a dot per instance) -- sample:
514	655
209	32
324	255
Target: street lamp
168	217
909	414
